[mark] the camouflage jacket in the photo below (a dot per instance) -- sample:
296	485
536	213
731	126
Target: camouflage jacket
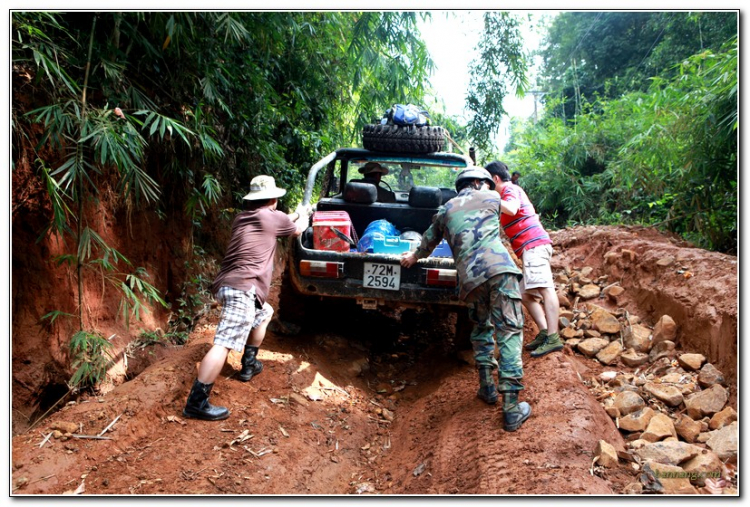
470	224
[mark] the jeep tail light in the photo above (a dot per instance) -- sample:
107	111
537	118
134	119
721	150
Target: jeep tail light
321	269
440	277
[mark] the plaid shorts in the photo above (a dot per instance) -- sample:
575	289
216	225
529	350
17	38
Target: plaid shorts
239	316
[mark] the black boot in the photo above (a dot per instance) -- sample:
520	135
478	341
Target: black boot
487	389
198	407
514	413
250	364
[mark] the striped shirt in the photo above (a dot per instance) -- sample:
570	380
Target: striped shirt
524	229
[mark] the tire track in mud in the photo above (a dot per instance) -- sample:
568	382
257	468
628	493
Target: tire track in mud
459	443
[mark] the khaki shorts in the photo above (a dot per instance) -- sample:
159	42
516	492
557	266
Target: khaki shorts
537	272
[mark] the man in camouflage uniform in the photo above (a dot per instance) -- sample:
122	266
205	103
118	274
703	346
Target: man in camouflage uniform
488	283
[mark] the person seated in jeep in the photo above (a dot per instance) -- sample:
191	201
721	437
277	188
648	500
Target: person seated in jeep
373	172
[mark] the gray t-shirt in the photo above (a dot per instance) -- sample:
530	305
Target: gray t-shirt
248	261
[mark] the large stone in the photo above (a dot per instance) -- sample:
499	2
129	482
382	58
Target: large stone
659	427
586	271
687	428
637	337
611	257
724	442
669	453
563	300
567	314
709	376
723	418
688	388
571	332
603	321
628	402
704	465
636	421
634	488
691	362
632	320
613	292
668	394
573	342
357	366
590	346
665	261
672	479
589	291
609	354
591	333
638	443
707	402
665	329
606	454
661	349
673	378
632	358
64	426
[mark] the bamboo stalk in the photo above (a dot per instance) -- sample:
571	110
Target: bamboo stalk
110	425
92	437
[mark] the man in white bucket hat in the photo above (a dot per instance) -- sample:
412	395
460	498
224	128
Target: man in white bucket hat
242	288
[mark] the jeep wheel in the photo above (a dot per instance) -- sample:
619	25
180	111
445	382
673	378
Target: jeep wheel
408	139
464	327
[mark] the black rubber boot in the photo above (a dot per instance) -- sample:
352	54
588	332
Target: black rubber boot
198	407
514	413
487	389
250	364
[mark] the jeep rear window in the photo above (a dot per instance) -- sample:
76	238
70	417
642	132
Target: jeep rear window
402	176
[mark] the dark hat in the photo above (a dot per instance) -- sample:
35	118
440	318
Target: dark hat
373	167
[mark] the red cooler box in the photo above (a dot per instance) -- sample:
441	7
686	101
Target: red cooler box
324	238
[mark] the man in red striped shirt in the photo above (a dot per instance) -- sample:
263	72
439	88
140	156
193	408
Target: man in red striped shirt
533	246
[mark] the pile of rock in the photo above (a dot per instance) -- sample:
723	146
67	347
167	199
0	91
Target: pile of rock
677	425
672	410
608	336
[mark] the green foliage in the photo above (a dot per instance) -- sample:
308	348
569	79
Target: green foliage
667	156
195	297
90	359
501	64
134	287
588	53
54	315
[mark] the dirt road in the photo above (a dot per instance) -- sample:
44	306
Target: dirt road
352	405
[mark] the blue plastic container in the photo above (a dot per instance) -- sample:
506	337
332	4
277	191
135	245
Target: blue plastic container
378	229
390	245
442	250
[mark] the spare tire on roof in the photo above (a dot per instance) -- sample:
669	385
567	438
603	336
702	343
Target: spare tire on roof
403	138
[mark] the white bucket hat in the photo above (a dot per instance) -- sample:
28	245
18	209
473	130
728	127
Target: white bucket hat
264	187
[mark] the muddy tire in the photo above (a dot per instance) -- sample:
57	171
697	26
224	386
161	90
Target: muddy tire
462	337
403	139
294	309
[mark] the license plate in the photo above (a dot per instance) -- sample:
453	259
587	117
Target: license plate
382	276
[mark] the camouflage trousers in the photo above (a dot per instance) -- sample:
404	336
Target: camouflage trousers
495	310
